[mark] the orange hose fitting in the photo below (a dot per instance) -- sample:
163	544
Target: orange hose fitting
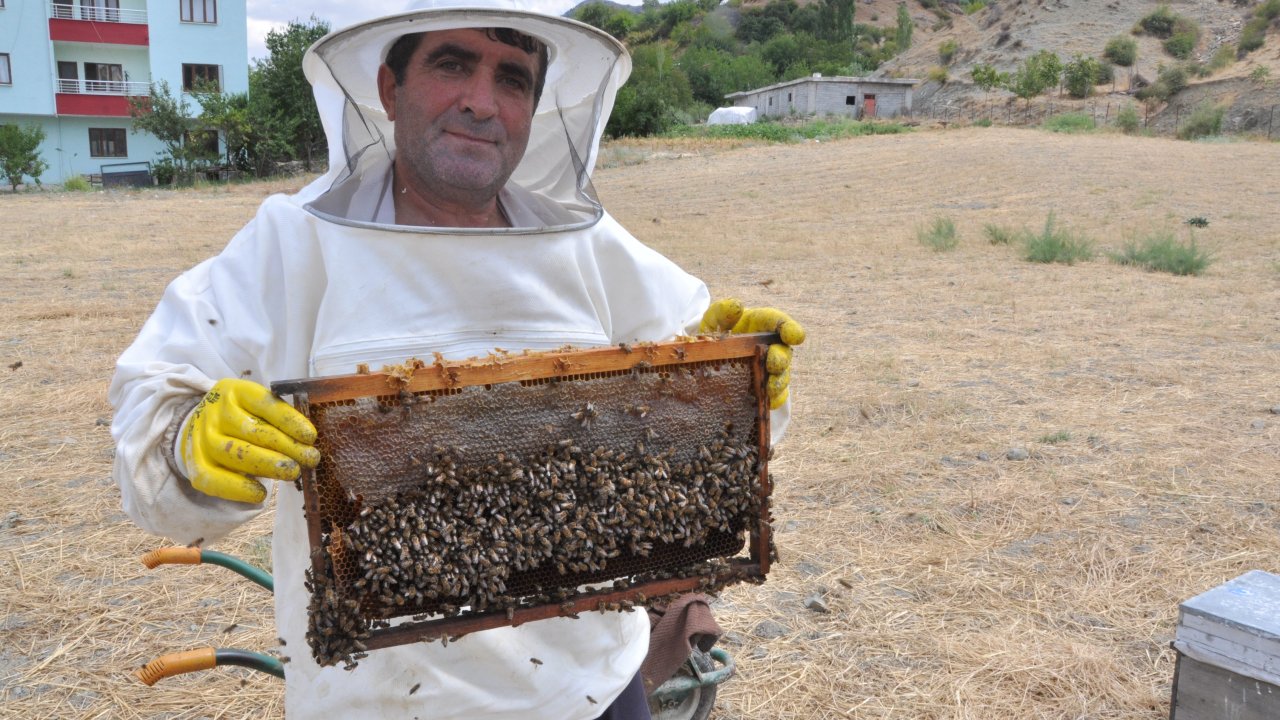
171	556
176	664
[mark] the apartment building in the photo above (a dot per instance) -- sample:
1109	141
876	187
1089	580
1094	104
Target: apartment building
72	65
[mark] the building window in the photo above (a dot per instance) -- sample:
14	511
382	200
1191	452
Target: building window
108	142
850	99
103	77
102	10
6	74
199	11
208	75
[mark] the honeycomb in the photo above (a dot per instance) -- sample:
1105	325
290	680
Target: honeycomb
490	500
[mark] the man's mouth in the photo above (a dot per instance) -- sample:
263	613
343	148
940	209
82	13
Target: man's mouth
471	137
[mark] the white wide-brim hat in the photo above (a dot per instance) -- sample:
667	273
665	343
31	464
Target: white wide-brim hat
586	67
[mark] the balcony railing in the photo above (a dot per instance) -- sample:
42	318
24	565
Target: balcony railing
103	87
67	11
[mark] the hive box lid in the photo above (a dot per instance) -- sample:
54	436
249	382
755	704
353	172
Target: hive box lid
1235	626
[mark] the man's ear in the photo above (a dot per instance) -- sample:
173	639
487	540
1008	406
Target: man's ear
387	91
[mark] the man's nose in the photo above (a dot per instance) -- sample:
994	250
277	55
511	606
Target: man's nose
480	97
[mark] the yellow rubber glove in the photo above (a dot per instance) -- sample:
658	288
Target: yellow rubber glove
240	430
729	315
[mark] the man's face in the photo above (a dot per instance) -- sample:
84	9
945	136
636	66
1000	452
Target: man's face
462	115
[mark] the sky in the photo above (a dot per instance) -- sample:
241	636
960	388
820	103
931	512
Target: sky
266	15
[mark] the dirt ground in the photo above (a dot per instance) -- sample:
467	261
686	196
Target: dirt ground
958	583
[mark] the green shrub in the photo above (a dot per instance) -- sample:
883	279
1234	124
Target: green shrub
938	75
1056	438
1070	123
1169	82
1222	57
1181	44
947	51
973	6
997	235
78	183
1079	76
1260	74
1104	73
982	122
940	235
1252	36
1162	252
1205	120
1121	50
769	131
1269	10
1056	245
1159	23
1127	120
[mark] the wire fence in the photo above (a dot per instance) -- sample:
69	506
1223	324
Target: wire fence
1263	121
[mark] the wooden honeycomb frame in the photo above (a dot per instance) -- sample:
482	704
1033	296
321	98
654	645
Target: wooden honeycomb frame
423	383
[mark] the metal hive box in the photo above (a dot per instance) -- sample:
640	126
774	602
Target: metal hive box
461	496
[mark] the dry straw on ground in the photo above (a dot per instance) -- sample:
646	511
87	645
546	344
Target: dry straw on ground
960	584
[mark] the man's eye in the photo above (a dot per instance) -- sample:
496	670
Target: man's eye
450	65
516	83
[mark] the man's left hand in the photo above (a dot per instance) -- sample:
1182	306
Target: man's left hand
729	315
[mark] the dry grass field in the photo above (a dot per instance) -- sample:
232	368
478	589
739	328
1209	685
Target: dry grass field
959	584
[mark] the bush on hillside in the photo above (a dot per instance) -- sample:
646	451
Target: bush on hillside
1186	33
1121	50
1205	121
947	51
1080	75
1159	23
1169	82
1127	120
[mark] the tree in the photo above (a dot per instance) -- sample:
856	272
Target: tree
837	20
1036	74
228	115
288	94
20	153
905	27
169	119
616	22
652	99
714	73
1079	76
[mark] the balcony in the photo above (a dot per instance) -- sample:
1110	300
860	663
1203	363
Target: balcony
98	98
80	23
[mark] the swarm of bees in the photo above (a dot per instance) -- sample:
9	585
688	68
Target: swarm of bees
519	531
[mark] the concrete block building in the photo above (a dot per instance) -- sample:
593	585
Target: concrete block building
858	97
71	66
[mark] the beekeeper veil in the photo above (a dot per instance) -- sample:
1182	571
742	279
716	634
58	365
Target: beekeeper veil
585	69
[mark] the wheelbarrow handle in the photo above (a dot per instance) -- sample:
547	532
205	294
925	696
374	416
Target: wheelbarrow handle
196	556
204	659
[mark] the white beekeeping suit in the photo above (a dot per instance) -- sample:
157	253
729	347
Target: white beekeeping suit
323	280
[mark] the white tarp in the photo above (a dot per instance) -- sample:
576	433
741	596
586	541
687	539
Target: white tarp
732	116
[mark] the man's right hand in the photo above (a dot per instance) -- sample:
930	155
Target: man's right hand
241	430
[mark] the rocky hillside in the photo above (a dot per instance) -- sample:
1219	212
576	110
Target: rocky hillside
1007	32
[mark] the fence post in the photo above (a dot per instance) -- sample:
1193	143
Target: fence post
1270	118
1107	118
1177	119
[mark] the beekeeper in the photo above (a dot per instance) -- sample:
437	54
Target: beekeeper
457	216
